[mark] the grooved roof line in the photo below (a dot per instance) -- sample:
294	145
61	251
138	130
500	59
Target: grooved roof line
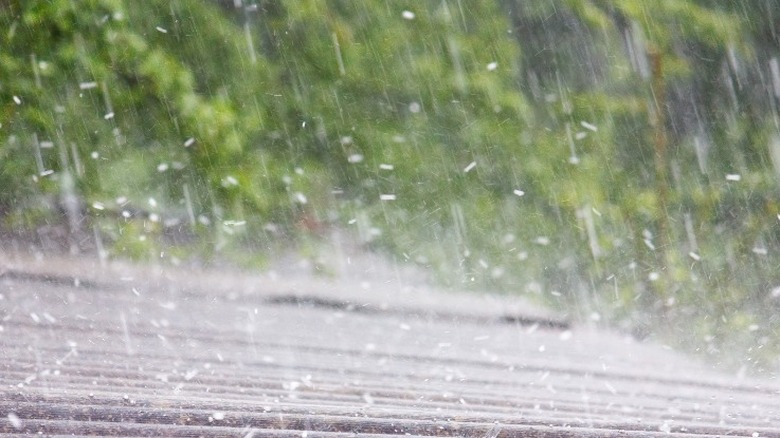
133	351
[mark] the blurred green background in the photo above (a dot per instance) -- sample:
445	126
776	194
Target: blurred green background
615	159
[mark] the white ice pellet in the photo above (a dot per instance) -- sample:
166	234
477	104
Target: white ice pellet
589	126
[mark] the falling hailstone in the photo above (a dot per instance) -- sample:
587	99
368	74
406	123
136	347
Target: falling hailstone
16	423
300	198
409	15
518	192
229	181
589	126
759	250
733	177
386	197
492	66
542	240
470	167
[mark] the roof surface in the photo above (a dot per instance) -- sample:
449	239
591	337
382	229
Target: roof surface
118	350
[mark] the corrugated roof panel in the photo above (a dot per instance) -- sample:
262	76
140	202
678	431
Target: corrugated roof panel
146	353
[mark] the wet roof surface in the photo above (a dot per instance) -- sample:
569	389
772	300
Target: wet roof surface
131	351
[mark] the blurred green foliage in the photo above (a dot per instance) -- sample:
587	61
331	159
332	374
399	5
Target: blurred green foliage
616	157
